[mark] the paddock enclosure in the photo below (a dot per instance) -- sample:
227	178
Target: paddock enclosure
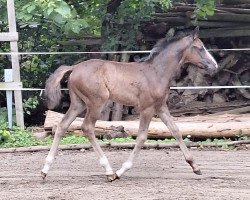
157	175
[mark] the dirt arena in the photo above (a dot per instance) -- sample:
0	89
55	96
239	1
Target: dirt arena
157	175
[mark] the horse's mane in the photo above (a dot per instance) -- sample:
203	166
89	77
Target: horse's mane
162	44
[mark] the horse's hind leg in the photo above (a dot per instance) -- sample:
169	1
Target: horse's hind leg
76	107
92	115
168	121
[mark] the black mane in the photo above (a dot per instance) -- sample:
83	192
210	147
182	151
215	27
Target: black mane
162	44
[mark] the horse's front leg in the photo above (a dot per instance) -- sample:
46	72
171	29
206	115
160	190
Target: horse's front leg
169	122
145	118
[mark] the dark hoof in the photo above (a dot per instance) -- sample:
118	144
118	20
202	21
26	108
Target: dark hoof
198	172
112	177
43	175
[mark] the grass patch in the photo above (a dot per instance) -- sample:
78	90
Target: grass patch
24	138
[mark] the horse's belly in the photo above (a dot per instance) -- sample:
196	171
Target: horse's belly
125	98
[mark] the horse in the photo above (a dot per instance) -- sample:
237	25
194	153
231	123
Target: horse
144	84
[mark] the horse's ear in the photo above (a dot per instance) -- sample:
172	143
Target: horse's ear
196	32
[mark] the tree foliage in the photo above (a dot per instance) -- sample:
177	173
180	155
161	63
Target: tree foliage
66	18
204	8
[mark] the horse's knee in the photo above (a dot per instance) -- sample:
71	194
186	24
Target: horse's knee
60	130
141	139
54	129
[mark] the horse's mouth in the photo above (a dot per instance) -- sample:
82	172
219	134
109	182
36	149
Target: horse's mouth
202	65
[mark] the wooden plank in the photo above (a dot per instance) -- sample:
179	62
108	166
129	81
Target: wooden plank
10	86
9	37
15	64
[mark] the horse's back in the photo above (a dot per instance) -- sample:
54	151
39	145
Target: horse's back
108	80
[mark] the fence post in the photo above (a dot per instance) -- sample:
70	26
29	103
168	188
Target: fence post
8	77
15	64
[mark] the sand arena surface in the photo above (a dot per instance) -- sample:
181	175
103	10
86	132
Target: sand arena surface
156	175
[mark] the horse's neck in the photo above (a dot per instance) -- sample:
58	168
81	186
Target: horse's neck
168	64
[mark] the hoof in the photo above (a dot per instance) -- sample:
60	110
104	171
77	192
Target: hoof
112	177
43	175
198	172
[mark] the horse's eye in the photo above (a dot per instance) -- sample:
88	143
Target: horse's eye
201	49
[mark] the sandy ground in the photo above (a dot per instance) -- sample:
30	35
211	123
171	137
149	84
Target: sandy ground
157	175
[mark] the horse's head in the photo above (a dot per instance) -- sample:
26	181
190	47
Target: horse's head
197	54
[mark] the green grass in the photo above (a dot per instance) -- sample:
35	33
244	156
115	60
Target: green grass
25	138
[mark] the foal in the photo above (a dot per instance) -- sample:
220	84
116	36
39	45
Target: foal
142	84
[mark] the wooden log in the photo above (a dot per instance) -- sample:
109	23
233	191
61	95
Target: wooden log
169	14
202	107
177	20
235	2
229	17
234	10
182	8
234	111
246	6
217	24
214	127
225	32
244	92
229	61
81	42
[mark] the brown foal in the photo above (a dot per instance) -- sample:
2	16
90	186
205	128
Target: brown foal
144	84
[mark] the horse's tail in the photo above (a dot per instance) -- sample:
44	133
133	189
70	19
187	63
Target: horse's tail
53	86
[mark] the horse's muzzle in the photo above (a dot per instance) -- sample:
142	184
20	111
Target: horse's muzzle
210	68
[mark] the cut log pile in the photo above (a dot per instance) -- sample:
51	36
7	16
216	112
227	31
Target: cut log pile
228	28
231	19
226	125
